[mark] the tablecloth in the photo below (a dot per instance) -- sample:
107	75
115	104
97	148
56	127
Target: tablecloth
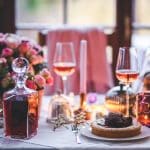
64	139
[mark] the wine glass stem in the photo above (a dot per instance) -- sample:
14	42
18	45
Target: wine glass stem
64	79
128	101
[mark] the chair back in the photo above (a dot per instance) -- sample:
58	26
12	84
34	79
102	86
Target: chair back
99	73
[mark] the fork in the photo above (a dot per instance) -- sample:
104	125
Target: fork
75	130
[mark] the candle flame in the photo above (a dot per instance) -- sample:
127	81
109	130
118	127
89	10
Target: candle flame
145	117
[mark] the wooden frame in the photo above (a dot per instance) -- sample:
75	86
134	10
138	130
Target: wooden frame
121	35
7	16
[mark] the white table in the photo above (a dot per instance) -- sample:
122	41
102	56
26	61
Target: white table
64	139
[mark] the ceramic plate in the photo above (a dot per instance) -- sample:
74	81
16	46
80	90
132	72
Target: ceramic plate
87	133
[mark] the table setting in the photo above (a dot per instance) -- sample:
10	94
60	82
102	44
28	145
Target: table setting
120	119
64	138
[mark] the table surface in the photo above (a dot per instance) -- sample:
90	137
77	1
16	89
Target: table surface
64	139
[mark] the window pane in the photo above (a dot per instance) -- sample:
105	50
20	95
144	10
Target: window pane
91	12
141	38
40	11
29	34
142	11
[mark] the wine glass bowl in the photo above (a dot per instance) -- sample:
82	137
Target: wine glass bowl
64	68
127	69
126	76
64	62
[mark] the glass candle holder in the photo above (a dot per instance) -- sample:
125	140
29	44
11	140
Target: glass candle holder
144	108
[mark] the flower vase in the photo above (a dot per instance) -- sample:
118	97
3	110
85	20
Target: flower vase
40	96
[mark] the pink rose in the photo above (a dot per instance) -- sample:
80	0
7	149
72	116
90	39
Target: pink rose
1	35
31	84
36	59
40	81
24	47
37	47
45	73
7	52
32	52
2	38
12	41
3	61
31	69
50	80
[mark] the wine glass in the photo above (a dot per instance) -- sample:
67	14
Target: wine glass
127	69
64	62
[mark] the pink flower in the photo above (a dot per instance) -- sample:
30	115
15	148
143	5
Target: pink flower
3	61
2	38
33	52
31	84
40	81
36	59
7	52
24	47
37	47
50	80
12	41
45	73
31	69
1	35
12	46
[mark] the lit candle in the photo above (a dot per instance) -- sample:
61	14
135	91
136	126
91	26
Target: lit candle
83	66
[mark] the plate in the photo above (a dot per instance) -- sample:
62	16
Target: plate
87	133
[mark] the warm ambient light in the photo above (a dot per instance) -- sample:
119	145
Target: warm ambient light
145	117
99	111
116	107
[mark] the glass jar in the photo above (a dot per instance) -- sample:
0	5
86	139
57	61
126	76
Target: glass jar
20	105
115	99
59	106
144	108
143	113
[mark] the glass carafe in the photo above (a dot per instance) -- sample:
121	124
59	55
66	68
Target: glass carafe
20	105
144	108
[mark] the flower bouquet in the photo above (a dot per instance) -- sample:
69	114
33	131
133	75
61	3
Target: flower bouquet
13	46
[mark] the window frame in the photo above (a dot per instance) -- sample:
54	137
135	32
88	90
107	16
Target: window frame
120	37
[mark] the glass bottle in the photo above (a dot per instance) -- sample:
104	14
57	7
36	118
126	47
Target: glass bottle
144	108
143	96
20	105
144	101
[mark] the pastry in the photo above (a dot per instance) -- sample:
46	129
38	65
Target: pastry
116	126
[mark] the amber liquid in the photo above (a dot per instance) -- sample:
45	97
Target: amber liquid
64	69
21	116
126	76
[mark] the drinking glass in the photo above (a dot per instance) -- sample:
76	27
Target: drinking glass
64	62
127	69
